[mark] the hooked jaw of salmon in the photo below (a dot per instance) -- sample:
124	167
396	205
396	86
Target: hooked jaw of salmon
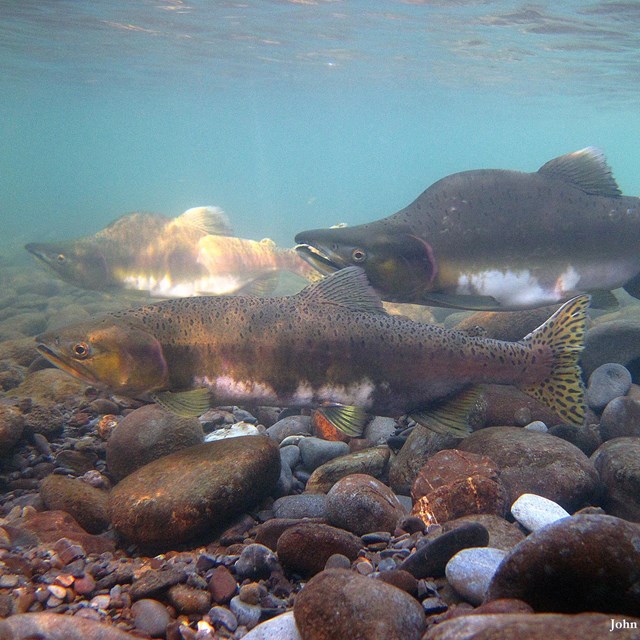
128	361
398	266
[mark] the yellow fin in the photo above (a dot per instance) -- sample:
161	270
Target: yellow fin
348	419
208	220
184	403
563	333
453	416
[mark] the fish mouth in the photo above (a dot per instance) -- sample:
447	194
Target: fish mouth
318	259
37	251
72	368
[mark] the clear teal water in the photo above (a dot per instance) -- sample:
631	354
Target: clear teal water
300	114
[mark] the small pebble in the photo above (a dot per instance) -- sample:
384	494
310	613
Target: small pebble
338	561
282	627
248	615
221	616
256	561
151	617
538	425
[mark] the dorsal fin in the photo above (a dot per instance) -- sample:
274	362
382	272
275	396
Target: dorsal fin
587	169
347	288
210	220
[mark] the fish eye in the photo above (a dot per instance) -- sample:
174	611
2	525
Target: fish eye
60	258
81	350
358	255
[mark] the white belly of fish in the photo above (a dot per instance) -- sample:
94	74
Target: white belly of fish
166	287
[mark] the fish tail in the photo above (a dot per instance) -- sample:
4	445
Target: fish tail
563	333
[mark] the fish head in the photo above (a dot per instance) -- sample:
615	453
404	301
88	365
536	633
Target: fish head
399	265
109	354
78	263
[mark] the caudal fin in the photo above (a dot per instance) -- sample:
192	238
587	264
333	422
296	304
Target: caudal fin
563	333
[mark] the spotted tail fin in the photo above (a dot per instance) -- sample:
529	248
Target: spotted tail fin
563	333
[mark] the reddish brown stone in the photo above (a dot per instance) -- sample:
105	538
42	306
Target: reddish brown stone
448	466
222	585
305	548
475	494
50	526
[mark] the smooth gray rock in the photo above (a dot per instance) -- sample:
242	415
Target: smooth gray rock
305	505
315	452
282	627
608	381
290	426
470	571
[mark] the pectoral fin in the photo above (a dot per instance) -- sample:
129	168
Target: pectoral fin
187	404
348	419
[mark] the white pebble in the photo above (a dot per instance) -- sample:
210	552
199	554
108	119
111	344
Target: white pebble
282	627
534	512
234	431
537	425
470	571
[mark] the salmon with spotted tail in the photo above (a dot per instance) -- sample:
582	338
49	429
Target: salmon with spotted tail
330	346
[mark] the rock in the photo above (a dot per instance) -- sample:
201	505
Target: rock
431	558
379	430
401	579
305	548
470	571
77	461
609	342
523	626
51	386
44	419
585	437
290	455
618	463
184	494
223	616
343	604
50	526
146	434
189	600
282	627
372	461
502	405
534	512
472	495
11	427
361	504
608	381
450	465
290	426
502	534
233	431
152	582
532	462
305	505
255	562
151	617
52	626
270	531
421	444
315	452
582	563
247	614
620	419
222	585
88	505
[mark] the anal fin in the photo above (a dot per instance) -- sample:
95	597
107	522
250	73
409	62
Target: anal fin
453	416
187	404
